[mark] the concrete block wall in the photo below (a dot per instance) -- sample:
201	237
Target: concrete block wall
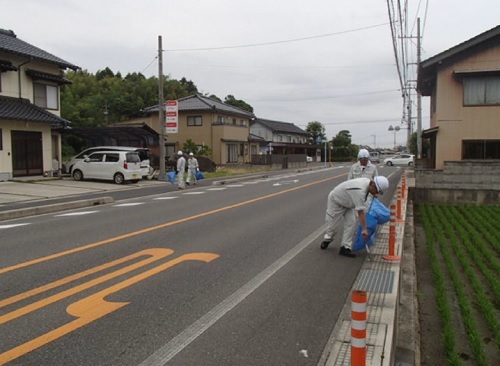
460	182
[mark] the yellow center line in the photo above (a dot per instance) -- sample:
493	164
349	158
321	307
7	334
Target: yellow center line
157	227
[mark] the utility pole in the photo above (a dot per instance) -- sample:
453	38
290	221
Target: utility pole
419	99
161	111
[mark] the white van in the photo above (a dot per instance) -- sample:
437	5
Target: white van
143	152
375	157
118	166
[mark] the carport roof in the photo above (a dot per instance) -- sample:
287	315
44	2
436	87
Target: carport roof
19	109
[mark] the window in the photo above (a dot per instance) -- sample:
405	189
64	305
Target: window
481	149
221	120
46	96
194	121
112	158
482	91
232	153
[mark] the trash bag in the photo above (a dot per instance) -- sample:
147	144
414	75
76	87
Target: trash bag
379	212
359	241
171	176
199	175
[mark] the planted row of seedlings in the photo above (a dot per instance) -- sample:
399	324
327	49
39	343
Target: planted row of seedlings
463	244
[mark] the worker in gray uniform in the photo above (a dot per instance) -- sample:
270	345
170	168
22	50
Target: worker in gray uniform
181	167
364	167
344	201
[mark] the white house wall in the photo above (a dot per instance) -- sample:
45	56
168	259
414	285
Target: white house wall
6	166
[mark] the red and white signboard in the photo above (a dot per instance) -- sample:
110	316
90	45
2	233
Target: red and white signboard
171	116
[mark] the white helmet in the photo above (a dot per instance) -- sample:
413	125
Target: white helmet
179	153
382	183
191	154
363	154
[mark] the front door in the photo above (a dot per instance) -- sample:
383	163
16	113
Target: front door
27	158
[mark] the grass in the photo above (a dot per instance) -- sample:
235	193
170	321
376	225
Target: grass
221	172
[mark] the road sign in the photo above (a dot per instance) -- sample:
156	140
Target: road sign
171	116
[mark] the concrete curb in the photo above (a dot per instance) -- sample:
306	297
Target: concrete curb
30	211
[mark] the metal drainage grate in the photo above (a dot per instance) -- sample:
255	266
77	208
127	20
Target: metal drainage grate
373	280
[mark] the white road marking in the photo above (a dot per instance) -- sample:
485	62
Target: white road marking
216	189
12	225
129	204
193	193
182	340
165	198
234	185
76	213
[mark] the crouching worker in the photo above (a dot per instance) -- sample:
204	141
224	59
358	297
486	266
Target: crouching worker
344	201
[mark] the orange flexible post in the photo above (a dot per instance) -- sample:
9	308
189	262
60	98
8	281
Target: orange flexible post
392	237
358	328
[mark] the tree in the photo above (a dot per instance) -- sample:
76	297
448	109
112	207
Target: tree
413	145
231	100
315	129
190	146
343	149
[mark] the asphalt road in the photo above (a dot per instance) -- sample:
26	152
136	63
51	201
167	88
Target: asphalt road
214	275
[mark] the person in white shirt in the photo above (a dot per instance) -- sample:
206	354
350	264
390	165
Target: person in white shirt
193	168
181	167
344	201
364	167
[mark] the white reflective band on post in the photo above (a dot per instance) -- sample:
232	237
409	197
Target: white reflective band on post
358	324
358	343
358	307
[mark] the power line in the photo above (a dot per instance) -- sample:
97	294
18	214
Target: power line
276	42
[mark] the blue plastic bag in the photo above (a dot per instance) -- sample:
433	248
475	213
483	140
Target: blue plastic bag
171	176
378	214
359	241
379	211
199	175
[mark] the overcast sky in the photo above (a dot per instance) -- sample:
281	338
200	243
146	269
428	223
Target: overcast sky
293	61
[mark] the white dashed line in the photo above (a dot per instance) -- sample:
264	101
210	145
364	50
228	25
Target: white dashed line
193	193
165	198
216	189
129	204
12	225
76	213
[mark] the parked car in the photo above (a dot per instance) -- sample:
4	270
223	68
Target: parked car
144	154
401	159
375	157
118	166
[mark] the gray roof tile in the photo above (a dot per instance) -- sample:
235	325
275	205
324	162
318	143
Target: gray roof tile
277	126
19	109
9	43
201	103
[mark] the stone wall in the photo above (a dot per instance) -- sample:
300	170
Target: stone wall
459	182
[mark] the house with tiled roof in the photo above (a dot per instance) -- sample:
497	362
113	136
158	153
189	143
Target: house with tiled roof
30	108
225	129
283	138
462	163
463	84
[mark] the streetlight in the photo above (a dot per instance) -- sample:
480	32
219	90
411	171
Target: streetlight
395	129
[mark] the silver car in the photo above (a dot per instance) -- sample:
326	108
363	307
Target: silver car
118	166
